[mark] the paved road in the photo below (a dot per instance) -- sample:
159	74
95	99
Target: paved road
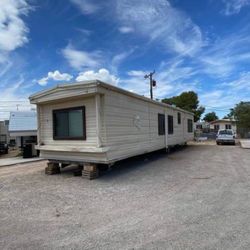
197	198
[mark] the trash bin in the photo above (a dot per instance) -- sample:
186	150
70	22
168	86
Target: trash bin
27	151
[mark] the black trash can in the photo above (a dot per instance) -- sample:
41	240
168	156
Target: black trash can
27	151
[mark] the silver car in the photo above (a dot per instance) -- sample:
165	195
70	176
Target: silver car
225	136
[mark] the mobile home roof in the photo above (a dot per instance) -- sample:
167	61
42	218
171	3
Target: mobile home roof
98	83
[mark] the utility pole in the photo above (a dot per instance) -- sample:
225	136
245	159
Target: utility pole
152	82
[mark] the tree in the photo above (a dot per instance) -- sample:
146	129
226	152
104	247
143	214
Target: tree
209	117
241	113
188	101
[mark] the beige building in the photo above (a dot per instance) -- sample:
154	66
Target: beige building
94	122
223	124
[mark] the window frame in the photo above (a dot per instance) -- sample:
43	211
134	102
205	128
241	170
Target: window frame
228	126
190	124
161	124
217	127
179	118
171	132
55	111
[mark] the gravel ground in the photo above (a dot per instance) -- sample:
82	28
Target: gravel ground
196	198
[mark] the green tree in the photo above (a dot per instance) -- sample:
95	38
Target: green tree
209	117
188	101
241	113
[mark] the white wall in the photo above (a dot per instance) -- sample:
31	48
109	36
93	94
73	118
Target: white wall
132	125
46	122
128	126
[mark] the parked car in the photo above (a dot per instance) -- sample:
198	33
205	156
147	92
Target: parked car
4	148
225	136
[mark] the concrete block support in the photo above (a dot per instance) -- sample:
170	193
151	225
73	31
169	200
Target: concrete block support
52	168
90	171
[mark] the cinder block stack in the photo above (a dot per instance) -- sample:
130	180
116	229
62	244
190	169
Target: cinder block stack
90	171
52	168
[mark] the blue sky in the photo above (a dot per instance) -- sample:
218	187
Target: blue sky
193	45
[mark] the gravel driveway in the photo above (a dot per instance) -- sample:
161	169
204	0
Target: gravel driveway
196	198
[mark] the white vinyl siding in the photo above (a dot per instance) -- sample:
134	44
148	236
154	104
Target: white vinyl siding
46	122
118	125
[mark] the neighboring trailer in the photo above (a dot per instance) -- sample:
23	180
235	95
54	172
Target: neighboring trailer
94	122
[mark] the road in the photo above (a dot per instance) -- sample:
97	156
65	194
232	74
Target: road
195	198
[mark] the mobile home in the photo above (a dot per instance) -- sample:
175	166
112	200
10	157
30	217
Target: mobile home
93	122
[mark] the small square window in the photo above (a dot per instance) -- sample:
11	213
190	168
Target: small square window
69	124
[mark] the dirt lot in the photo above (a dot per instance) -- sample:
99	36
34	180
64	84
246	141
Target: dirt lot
196	198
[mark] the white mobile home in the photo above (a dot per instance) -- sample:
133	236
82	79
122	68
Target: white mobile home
94	122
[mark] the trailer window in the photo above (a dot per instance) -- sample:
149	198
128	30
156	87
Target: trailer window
161	124
170	124
190	126
179	118
69	124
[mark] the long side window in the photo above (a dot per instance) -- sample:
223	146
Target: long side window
170	125
190	126
179	118
69	124
161	124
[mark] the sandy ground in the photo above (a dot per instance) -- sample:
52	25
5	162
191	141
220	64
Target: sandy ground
196	198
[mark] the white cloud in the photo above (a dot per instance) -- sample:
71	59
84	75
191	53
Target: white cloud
79	59
56	76
234	6
102	75
13	31
240	84
172	78
155	20
14	96
119	58
86	6
137	73
224	56
161	23
126	29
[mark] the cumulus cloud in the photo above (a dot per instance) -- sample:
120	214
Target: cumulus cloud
234	6
79	59
56	76
13	31
102	75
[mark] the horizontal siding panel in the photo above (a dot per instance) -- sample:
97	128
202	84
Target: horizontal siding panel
46	122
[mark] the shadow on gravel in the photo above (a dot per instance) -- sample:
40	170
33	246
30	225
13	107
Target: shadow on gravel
128	165
137	162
